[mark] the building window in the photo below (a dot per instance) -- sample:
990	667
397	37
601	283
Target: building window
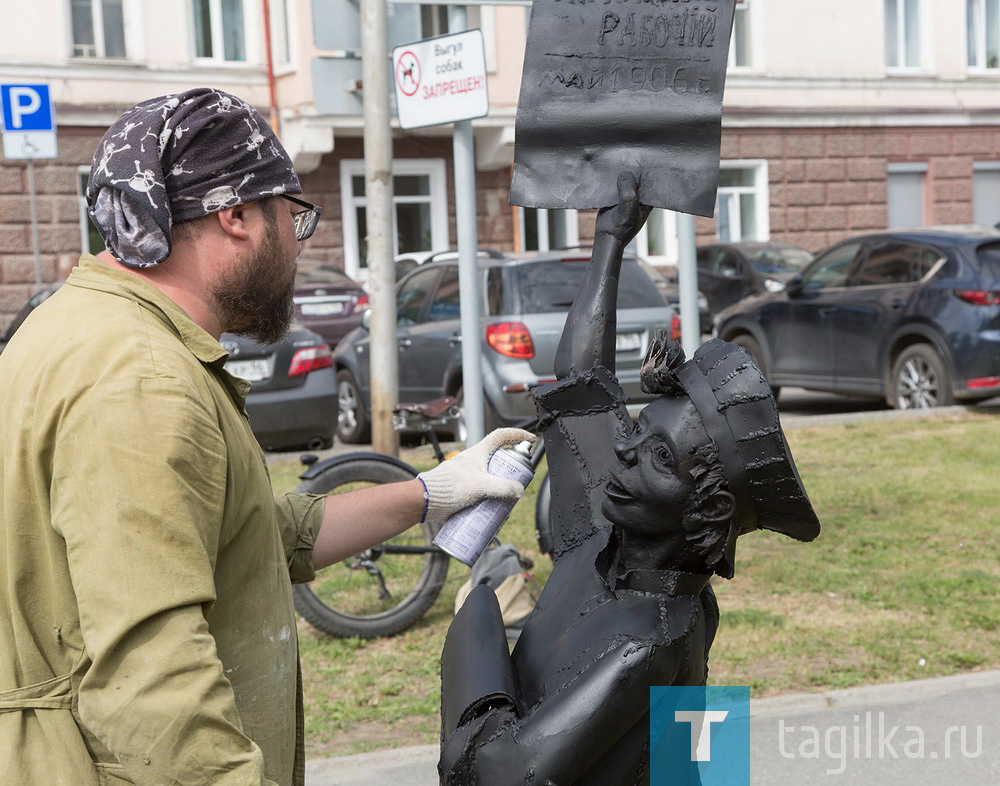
986	193
741	208
902	33
91	241
219	30
98	28
743	46
546	230
419	216
657	240
281	44
983	25
907	201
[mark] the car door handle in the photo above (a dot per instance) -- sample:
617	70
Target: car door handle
898	302
827	311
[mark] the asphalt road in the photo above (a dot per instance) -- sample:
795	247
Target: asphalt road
921	733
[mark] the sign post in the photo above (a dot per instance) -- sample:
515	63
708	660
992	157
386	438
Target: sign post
29	132
443	80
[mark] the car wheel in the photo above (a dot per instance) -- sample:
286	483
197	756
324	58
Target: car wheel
352	422
919	380
753	348
490	418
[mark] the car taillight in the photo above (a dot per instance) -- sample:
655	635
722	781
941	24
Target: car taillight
675	327
361	305
983	383
310	359
511	339
979	297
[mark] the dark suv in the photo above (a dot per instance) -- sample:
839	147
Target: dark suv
525	300
913	316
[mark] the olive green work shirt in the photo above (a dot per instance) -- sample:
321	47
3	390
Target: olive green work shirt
146	626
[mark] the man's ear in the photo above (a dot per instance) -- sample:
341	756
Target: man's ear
719	507
234	221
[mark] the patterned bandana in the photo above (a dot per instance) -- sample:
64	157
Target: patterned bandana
177	157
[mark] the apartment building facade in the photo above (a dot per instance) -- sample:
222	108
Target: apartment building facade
838	118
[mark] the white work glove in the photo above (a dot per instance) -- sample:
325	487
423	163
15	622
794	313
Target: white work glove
463	480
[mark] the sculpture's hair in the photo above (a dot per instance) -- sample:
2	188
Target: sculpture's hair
662	357
708	538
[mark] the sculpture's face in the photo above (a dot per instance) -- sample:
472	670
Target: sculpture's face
649	489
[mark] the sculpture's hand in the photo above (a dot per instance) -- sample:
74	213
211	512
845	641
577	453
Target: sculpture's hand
624	220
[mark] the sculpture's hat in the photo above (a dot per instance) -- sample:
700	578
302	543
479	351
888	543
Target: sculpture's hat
740	413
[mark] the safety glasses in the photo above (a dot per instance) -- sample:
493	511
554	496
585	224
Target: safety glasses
305	220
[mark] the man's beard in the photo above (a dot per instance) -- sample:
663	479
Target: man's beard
254	297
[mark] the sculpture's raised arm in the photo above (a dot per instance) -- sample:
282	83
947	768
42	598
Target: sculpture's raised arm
588	339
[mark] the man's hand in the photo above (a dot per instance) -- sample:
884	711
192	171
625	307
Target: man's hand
463	480
624	220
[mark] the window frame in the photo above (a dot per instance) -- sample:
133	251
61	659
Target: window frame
922	49
908	168
86	247
762	208
976	23
979	169
251	37
434	168
129	12
748	13
571	228
283	21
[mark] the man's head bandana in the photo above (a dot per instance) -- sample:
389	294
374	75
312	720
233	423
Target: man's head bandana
177	157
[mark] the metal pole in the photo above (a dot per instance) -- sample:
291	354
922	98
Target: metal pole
384	368
687	284
35	245
463	146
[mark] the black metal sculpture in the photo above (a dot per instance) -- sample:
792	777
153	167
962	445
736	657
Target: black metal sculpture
643	516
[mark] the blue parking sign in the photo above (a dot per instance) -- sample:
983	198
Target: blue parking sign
29	128
26	108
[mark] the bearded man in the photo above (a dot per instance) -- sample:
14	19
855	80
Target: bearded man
146	626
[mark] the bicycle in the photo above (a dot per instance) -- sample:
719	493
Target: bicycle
386	589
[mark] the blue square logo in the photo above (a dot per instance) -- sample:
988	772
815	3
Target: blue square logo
699	735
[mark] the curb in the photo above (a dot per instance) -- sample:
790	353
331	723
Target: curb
394	765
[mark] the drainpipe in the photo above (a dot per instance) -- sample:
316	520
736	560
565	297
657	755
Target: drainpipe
271	87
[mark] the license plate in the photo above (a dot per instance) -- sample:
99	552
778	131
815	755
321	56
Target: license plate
321	309
625	342
251	370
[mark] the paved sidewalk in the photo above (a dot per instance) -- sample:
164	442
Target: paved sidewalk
856	743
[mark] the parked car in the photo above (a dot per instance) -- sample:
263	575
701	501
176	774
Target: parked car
665	279
293	401
913	316
525	301
328	301
729	272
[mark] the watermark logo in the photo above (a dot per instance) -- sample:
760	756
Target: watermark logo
871	736
699	735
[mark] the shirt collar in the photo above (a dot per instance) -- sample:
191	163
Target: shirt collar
659	582
94	274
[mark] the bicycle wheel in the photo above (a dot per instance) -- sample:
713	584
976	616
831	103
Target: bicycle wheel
385	589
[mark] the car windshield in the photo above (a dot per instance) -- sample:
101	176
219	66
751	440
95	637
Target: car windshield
989	260
306	276
780	260
550	286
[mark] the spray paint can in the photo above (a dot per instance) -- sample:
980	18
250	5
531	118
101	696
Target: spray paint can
467	533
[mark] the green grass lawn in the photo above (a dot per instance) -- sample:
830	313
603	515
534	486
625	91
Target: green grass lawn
903	583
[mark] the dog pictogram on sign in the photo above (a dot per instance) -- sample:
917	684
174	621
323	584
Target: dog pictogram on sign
408	73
